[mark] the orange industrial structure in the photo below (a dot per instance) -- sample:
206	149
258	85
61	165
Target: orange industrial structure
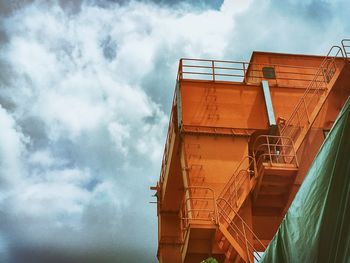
241	138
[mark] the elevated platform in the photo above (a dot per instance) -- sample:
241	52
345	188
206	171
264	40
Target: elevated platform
241	138
273	188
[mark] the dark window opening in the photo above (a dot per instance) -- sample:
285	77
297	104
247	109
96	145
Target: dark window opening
269	72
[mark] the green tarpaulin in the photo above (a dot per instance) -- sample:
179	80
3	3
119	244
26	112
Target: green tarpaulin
316	227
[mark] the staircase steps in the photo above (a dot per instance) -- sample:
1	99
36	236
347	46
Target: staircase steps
272	180
234	236
310	104
231	242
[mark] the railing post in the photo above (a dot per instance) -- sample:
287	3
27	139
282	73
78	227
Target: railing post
307	114
345	46
246	242
255	167
244	73
323	72
180	70
236	192
216	216
213	69
294	153
269	150
328	77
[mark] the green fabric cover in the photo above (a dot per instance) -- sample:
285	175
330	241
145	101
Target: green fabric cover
316	227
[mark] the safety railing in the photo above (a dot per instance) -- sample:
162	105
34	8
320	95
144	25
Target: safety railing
170	133
274	150
198	207
238	229
235	186
244	72
346	47
301	116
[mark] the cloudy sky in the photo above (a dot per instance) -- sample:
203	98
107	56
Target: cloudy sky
85	93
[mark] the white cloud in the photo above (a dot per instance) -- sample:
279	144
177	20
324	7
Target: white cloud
42	158
12	149
92	112
51	199
119	135
235	6
67	113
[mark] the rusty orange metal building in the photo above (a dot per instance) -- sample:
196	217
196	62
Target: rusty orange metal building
241	138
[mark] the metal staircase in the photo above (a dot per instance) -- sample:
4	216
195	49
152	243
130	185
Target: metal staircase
240	184
276	159
271	171
231	236
235	237
310	104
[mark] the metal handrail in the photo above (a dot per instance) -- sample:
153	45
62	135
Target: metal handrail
167	142
244	72
191	210
224	215
274	149
300	116
232	187
346	45
339	50
269	138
